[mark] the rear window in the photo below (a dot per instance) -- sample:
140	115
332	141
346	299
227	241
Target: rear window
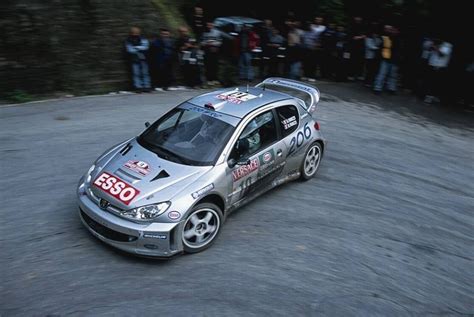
288	118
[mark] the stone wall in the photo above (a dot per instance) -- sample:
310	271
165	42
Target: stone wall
69	46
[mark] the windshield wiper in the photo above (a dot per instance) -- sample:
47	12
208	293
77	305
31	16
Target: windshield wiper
167	153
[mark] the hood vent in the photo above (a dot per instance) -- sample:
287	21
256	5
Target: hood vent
125	150
162	174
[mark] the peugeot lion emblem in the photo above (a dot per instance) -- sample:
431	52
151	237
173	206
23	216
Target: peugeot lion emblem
103	204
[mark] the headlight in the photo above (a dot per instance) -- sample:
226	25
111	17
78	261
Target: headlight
146	212
89	172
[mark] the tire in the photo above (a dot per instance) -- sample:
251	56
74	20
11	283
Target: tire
311	161
201	227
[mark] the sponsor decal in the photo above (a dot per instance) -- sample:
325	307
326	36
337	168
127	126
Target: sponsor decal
202	191
244	170
205	111
155	235
116	187
236	97
139	167
288	123
174	215
266	162
267	157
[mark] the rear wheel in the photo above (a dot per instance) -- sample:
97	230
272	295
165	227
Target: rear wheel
201	227
311	161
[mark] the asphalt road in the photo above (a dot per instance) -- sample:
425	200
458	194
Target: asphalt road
386	228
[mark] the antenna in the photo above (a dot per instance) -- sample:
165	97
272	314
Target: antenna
263	87
247	87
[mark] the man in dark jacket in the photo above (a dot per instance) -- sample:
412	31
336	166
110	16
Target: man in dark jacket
163	50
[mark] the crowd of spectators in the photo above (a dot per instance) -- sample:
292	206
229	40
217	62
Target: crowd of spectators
367	52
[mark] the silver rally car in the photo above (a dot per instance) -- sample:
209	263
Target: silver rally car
170	189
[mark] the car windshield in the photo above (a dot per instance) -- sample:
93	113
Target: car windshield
188	135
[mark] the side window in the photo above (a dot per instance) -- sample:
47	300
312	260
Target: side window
288	118
259	133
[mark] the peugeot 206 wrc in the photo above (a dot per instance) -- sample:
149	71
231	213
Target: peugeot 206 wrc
170	189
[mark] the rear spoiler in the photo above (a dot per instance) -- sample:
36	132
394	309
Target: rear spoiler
309	95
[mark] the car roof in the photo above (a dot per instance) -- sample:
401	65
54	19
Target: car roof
238	20
240	101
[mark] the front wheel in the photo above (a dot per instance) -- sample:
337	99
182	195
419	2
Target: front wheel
201	227
311	161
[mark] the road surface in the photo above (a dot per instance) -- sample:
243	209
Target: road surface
386	228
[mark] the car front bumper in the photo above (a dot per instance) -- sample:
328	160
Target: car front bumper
151	239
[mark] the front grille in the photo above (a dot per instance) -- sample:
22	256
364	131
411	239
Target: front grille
111	208
106	232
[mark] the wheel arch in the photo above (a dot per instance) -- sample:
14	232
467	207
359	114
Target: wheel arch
214	199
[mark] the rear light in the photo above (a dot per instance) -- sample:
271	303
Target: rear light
316	125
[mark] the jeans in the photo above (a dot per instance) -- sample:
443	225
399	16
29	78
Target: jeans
141	77
295	70
386	69
245	66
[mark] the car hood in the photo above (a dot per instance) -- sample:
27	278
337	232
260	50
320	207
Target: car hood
155	178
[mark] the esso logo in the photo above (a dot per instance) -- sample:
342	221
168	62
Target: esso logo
174	215
116	187
142	164
267	157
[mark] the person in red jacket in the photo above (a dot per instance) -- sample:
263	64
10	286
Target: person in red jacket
248	41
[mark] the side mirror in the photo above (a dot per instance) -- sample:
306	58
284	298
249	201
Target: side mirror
147	124
233	162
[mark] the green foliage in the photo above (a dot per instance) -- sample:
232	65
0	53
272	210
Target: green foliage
170	13
334	10
18	96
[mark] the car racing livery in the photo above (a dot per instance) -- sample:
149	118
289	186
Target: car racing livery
170	189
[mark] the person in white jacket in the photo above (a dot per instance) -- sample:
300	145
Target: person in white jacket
438	63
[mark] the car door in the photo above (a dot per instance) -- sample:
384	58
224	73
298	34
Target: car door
259	153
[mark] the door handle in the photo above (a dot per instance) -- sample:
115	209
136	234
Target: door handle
279	153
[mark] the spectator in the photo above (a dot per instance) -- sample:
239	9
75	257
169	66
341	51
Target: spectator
229	53
181	45
357	48
329	54
426	47
137	48
163	50
308	48
265	34
388	70
198	22
191	60
318	29
342	54
438	64
372	53
211	42
248	41
294	51
276	42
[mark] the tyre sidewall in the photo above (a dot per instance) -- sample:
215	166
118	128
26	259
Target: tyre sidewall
218	211
305	177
